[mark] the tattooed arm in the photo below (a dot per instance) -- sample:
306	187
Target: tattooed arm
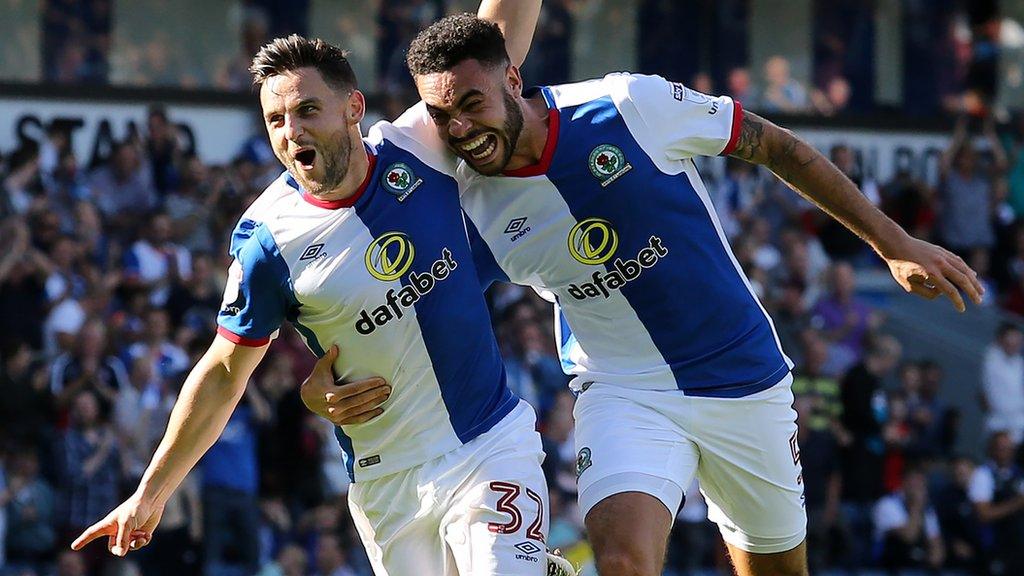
919	267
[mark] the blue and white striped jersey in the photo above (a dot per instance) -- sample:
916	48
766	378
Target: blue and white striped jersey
387	275
615	223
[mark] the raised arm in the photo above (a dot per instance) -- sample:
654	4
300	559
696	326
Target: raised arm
919	267
517	20
203	408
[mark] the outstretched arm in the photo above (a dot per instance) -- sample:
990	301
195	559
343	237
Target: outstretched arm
517	20
919	267
204	406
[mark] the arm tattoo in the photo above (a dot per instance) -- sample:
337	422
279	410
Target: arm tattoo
751	141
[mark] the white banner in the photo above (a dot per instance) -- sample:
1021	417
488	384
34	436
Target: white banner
215	132
881	154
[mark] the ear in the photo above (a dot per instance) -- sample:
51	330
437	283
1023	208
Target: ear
513	80
356	107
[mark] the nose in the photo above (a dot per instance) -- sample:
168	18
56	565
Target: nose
458	127
292	128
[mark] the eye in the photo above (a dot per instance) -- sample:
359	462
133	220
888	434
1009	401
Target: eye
474	106
275	120
439	118
307	109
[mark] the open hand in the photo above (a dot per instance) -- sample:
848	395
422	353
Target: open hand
346	403
931	271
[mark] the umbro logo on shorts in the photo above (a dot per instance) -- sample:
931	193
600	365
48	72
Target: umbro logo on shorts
528	547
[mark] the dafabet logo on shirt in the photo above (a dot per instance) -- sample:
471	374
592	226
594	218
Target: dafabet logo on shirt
389	256
593	242
387	259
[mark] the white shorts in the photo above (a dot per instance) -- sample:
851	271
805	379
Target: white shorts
742	450
480	510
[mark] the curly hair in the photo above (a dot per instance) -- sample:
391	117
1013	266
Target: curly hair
449	41
282	55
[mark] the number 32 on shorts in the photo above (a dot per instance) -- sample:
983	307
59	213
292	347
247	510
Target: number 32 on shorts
508	493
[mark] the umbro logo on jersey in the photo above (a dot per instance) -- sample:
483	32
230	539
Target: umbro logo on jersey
517	228
608	163
312	252
620	272
400	180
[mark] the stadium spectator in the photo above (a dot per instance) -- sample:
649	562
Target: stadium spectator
168	360
1002	383
822	480
162	150
834	99
997	491
27	409
21	181
966	191
88	367
958	519
155	263
782	93
230	480
862	419
842	317
740	87
65	187
88	469
141	410
29	502
189	206
907	527
818	391
330	557
291	561
123	188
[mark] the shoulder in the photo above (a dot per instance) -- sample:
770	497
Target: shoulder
414	133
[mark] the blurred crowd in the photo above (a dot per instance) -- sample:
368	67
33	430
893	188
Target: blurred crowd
956	54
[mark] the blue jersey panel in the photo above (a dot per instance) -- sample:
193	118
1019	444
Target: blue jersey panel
486	267
264	297
670	262
453	317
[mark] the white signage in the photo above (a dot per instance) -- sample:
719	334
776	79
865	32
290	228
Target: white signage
882	154
214	133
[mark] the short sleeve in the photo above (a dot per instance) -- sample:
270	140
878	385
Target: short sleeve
255	298
682	122
981	488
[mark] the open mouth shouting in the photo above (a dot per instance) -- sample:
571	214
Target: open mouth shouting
480	149
305	158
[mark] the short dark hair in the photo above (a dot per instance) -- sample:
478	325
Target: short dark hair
283	55
453	39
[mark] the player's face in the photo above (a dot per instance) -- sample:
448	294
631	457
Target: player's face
477	112
308	123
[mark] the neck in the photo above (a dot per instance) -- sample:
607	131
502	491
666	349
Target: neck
358	164
534	136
